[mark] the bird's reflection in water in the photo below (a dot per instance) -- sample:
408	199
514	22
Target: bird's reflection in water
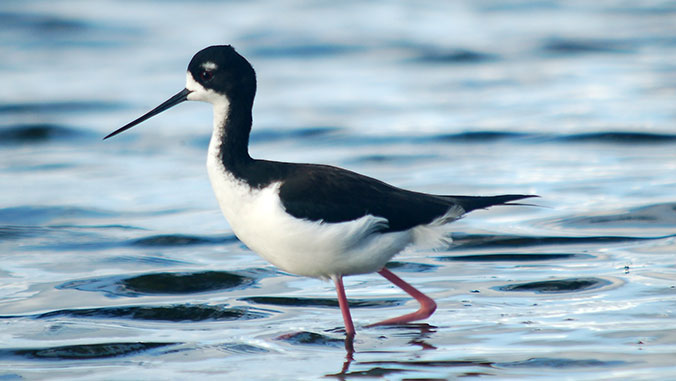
418	333
349	355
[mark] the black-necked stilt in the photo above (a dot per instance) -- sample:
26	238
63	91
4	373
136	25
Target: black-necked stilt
309	219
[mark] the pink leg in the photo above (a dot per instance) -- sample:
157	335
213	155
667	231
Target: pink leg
427	305
344	307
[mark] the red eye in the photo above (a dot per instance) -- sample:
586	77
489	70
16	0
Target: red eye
206	75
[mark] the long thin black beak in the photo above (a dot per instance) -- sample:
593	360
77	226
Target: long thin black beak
169	103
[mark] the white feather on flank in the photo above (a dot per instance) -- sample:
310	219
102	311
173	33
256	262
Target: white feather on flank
437	233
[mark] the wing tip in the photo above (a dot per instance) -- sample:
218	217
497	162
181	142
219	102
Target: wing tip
470	203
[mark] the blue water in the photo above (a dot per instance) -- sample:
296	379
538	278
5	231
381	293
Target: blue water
115	262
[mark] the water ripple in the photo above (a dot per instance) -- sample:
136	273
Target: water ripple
456	56
648	216
164	283
170	240
60	107
568	46
558	285
303	50
287	301
559	363
385	366
38	133
512	257
474	241
39	215
173	313
83	351
311	338
481	137
410	267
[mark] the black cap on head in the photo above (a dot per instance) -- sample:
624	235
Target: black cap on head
223	70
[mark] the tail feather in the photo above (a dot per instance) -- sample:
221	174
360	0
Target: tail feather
470	203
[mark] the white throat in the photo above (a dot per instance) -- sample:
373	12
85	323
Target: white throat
220	109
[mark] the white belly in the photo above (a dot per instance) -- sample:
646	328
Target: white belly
302	247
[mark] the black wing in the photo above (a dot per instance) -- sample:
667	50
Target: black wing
331	194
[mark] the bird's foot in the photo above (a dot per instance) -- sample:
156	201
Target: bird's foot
427	304
427	308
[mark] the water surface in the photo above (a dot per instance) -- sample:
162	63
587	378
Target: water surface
116	262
